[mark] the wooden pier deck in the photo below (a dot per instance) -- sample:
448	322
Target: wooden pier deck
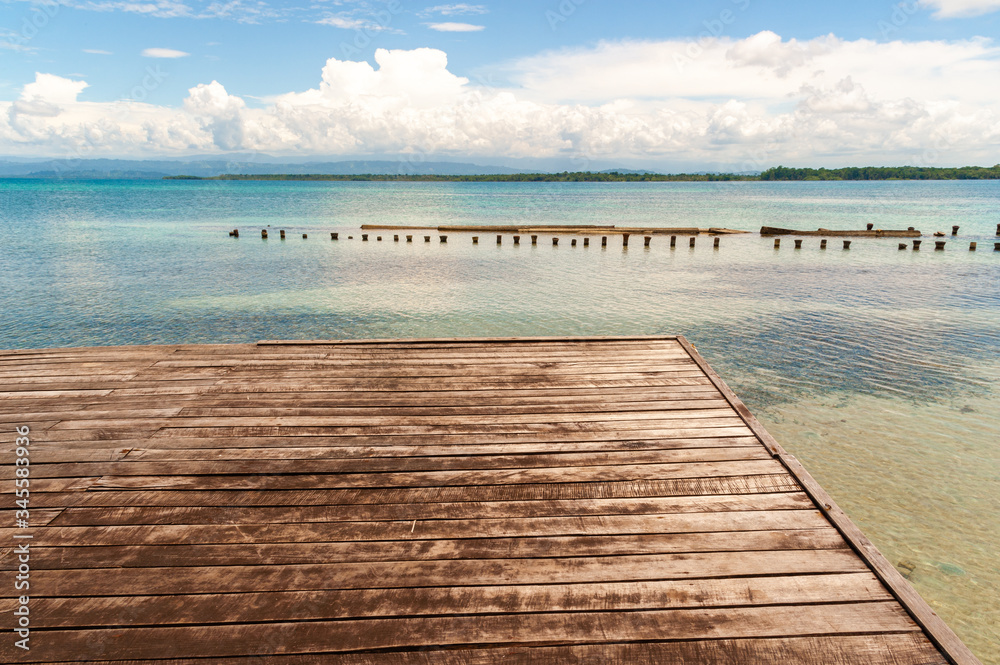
588	501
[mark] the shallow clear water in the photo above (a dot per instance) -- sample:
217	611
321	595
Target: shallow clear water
879	369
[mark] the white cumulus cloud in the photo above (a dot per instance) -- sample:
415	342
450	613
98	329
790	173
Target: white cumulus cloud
734	104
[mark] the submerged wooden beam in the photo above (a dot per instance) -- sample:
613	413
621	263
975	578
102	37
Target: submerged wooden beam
870	233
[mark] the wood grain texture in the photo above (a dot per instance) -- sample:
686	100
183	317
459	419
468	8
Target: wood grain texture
460	501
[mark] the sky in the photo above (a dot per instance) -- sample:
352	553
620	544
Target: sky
728	85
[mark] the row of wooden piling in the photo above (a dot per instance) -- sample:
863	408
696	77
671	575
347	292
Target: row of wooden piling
939	245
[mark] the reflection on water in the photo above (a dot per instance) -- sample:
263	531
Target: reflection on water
878	368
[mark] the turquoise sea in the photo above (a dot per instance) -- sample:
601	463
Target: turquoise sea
878	368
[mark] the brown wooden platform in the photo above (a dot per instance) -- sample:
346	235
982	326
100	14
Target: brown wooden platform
445	502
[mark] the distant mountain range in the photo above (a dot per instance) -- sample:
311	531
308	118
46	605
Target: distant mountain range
155	169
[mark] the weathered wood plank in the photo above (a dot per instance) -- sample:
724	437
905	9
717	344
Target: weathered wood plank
260	448
390	512
128	466
238	554
693	487
399	574
440	478
259	607
528	629
432	529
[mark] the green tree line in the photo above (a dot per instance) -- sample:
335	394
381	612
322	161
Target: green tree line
884	173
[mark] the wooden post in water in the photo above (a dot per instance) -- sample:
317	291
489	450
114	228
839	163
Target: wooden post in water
364	237
972	246
871	226
604	241
409	238
572	243
645	241
427	238
625	240
847	244
517	240
499	240
822	243
395	238
555	242
673	241
335	236
916	245
798	243
534	240
305	235
281	234
777	243
586	242
998	229
444	238
475	240
716	243
954	230
939	245
902	245
691	244
263	234
996	247
378	238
